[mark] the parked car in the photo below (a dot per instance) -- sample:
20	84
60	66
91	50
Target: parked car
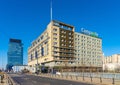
58	73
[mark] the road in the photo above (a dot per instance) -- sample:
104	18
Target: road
23	79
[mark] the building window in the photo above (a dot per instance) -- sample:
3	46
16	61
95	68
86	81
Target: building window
70	33
55	38
55	48
55	52
41	37
55	34
42	51
38	40
62	31
62	44
62	36
31	57
54	29
36	55
55	43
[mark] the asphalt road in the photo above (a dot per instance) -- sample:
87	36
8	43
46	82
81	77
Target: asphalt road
22	79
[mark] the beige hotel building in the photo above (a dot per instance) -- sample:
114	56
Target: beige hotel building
88	51
54	47
60	46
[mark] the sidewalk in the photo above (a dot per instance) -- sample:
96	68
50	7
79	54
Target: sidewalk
94	81
7	80
4	81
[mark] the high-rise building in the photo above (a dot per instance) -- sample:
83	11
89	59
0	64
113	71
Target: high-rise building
60	46
112	63
88	50
15	53
54	47
112	59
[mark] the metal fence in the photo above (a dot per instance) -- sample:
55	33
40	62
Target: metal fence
87	77
94	75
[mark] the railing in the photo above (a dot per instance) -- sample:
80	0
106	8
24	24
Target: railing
95	75
84	78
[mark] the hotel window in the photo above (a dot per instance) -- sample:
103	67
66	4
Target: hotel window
41	37
55	62
55	52
46	42
31	57
42	51
55	38
38	40
62	36
62	40
54	29
55	48
55	43
70	33
55	34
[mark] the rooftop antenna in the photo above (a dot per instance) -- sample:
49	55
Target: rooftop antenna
51	10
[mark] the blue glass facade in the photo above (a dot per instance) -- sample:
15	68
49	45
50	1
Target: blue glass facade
15	53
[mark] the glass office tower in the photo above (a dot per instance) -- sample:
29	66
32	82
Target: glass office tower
15	53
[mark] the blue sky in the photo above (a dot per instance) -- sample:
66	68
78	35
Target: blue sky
27	19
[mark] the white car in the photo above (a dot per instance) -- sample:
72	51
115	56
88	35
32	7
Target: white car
58	73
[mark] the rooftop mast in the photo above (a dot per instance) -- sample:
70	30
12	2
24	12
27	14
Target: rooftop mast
51	10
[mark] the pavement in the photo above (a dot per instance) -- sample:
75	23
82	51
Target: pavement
24	79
